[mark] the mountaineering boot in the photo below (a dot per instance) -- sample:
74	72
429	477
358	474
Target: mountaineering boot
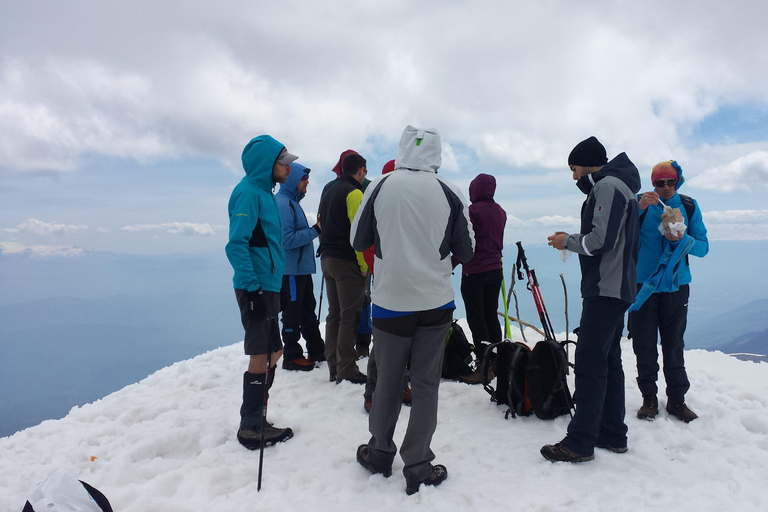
435	478
650	408
249	433
364	460
679	410
251	439
299	364
558	452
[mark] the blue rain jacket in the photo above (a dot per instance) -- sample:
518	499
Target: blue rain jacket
255	248
651	240
297	234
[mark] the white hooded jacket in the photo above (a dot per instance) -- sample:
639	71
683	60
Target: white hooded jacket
416	220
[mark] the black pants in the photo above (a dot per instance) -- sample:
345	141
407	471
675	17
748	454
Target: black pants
481	301
664	314
297	298
599	396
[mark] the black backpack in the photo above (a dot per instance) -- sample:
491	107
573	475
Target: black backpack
510	360
457	360
547	384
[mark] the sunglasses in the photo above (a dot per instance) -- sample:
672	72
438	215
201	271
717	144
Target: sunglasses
664	183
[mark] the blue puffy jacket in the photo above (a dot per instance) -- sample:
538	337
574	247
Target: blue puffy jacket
297	235
651	248
255	248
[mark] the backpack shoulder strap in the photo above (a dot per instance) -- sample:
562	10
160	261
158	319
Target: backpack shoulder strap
689	205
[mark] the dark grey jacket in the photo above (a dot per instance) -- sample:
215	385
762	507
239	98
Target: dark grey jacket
608	242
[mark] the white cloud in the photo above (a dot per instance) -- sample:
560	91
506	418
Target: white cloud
177	228
185	82
736	217
748	173
39	227
737	225
42	251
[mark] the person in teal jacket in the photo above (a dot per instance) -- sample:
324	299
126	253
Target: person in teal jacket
256	254
663	270
298	295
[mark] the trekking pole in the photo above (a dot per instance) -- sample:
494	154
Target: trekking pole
517	307
567	329
273	322
507	329
320	307
533	286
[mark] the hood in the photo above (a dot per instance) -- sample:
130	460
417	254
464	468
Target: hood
289	188
680	179
620	167
259	157
419	150
337	167
482	188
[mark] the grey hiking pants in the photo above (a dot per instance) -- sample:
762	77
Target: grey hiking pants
420	338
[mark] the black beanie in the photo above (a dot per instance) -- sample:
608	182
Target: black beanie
588	153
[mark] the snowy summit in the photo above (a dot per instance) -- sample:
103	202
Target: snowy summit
168	443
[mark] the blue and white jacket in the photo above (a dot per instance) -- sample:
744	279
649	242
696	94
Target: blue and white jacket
297	234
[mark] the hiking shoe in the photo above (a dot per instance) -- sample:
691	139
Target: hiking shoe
359	378
332	377
317	358
407	396
650	408
471	378
559	453
612	449
438	475
362	459
680	411
299	364
251	439
367	405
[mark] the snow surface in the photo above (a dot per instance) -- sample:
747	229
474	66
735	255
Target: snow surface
168	443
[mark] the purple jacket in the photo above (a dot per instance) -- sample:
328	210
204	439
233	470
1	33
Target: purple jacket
488	221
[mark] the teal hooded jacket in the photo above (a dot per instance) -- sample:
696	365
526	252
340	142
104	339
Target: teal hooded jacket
255	248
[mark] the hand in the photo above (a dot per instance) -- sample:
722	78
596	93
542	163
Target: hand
557	240
257	306
648	199
673	237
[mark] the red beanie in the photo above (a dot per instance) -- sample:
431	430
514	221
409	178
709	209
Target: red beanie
337	167
388	167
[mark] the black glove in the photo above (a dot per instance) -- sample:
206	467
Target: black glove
257	307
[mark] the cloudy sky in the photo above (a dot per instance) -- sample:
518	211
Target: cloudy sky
122	123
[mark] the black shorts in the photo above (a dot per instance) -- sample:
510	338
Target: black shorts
260	333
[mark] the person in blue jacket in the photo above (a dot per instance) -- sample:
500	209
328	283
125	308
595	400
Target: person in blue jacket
665	310
255	251
297	294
